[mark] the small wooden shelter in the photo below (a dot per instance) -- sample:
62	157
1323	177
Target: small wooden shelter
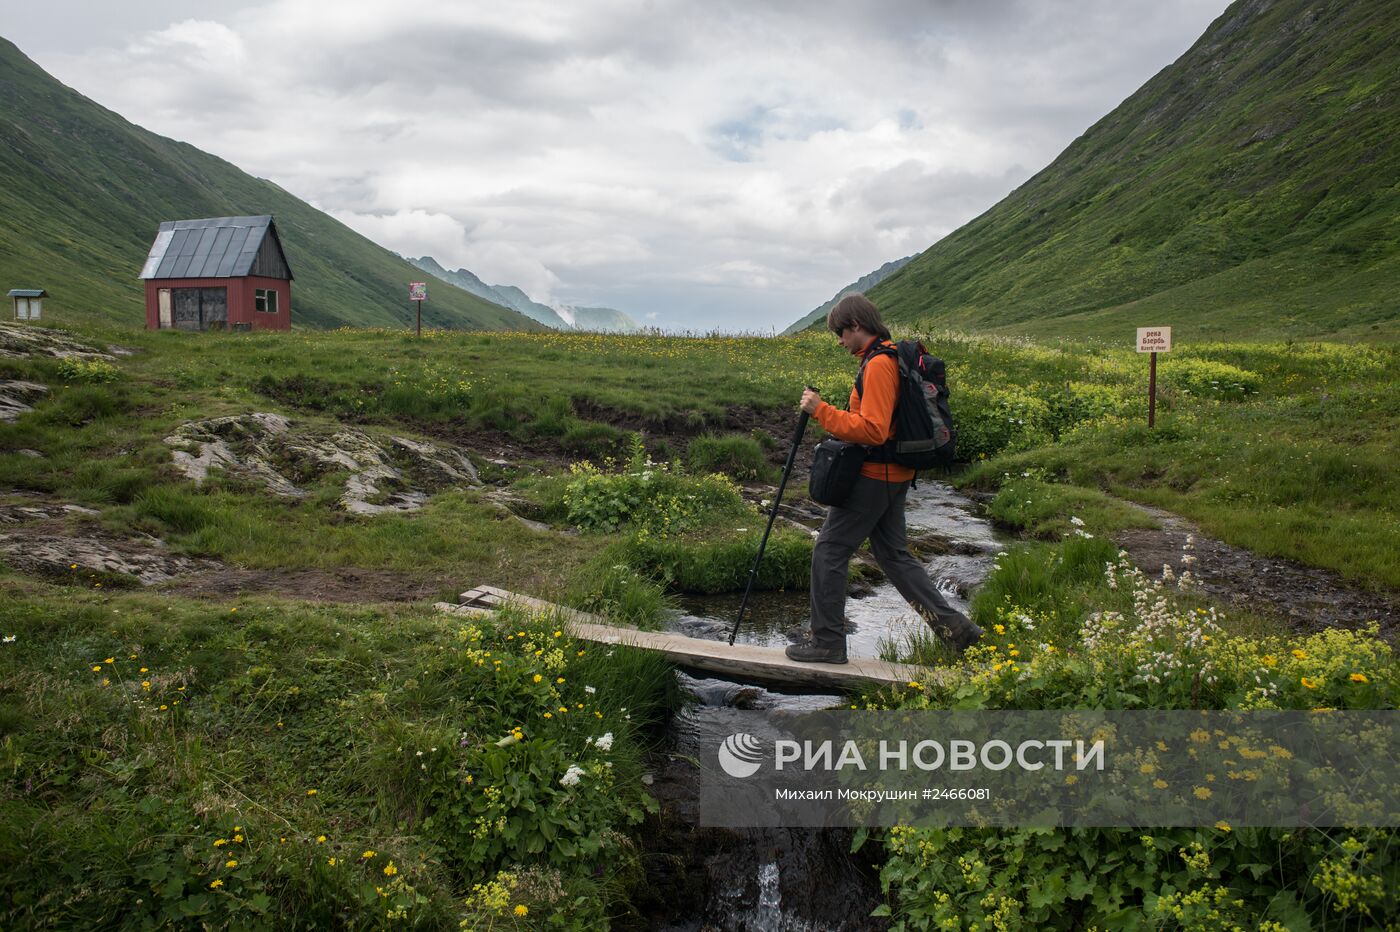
216	274
29	302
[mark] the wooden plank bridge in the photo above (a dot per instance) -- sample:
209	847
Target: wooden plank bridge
741	662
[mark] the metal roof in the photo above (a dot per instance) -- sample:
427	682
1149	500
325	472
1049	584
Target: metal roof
217	247
27	293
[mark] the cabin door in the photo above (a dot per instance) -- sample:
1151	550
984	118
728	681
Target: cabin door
213	308
186	305
200	308
163	303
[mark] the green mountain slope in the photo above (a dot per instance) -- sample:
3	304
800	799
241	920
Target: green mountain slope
1248	190
83	191
817	317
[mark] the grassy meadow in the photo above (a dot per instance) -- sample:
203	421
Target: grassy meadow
253	760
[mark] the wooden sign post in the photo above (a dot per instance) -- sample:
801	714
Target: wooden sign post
418	293
1153	340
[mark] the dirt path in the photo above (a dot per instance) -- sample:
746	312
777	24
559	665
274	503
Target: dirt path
350	584
1305	597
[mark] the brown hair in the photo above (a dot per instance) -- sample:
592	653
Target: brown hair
855	309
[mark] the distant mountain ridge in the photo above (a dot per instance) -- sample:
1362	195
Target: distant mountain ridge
84	191
862	284
1246	191
584	318
503	295
606	319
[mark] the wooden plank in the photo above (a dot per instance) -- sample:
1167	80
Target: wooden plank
745	662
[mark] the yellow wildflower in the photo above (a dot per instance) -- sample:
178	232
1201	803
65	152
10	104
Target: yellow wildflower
1359	678
538	677
522	910
1202	792
216	885
390	870
231	863
1310	684
310	792
320	839
367	854
220	843
96	668
1299	654
1159	783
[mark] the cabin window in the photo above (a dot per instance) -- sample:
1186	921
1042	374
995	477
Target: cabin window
265	299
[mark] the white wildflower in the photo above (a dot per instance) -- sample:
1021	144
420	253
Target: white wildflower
604	743
571	776
9	639
590	690
1076	521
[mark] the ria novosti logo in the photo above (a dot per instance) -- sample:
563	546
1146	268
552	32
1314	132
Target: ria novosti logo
741	755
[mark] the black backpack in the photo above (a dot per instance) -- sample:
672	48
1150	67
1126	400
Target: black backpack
923	424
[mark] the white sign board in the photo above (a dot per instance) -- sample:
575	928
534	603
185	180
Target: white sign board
417	291
1154	339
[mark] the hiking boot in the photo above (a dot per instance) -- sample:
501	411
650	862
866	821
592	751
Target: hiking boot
966	638
811	653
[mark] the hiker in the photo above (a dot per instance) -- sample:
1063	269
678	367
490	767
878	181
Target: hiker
875	508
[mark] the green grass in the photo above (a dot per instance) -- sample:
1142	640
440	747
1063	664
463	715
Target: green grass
110	796
301	734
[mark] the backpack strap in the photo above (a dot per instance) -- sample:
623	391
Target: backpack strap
877	349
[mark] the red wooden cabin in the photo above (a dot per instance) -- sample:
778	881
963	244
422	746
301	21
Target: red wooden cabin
217	274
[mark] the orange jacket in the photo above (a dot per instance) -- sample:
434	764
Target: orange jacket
870	420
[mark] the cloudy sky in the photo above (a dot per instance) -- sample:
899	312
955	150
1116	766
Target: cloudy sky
722	164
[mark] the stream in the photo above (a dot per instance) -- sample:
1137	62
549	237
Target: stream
788	880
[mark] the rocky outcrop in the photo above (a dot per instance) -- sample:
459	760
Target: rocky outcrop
19	341
142	558
15	398
270	450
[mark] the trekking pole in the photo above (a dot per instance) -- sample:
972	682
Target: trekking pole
777	499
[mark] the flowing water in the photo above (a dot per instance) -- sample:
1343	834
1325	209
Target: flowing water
793	880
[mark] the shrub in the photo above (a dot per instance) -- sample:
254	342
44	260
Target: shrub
990	421
1206	378
736	455
1144	648
87	371
648	496
722	565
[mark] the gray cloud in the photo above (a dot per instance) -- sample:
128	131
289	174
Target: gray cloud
723	164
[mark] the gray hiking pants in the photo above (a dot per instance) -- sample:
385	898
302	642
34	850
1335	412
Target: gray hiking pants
874	510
